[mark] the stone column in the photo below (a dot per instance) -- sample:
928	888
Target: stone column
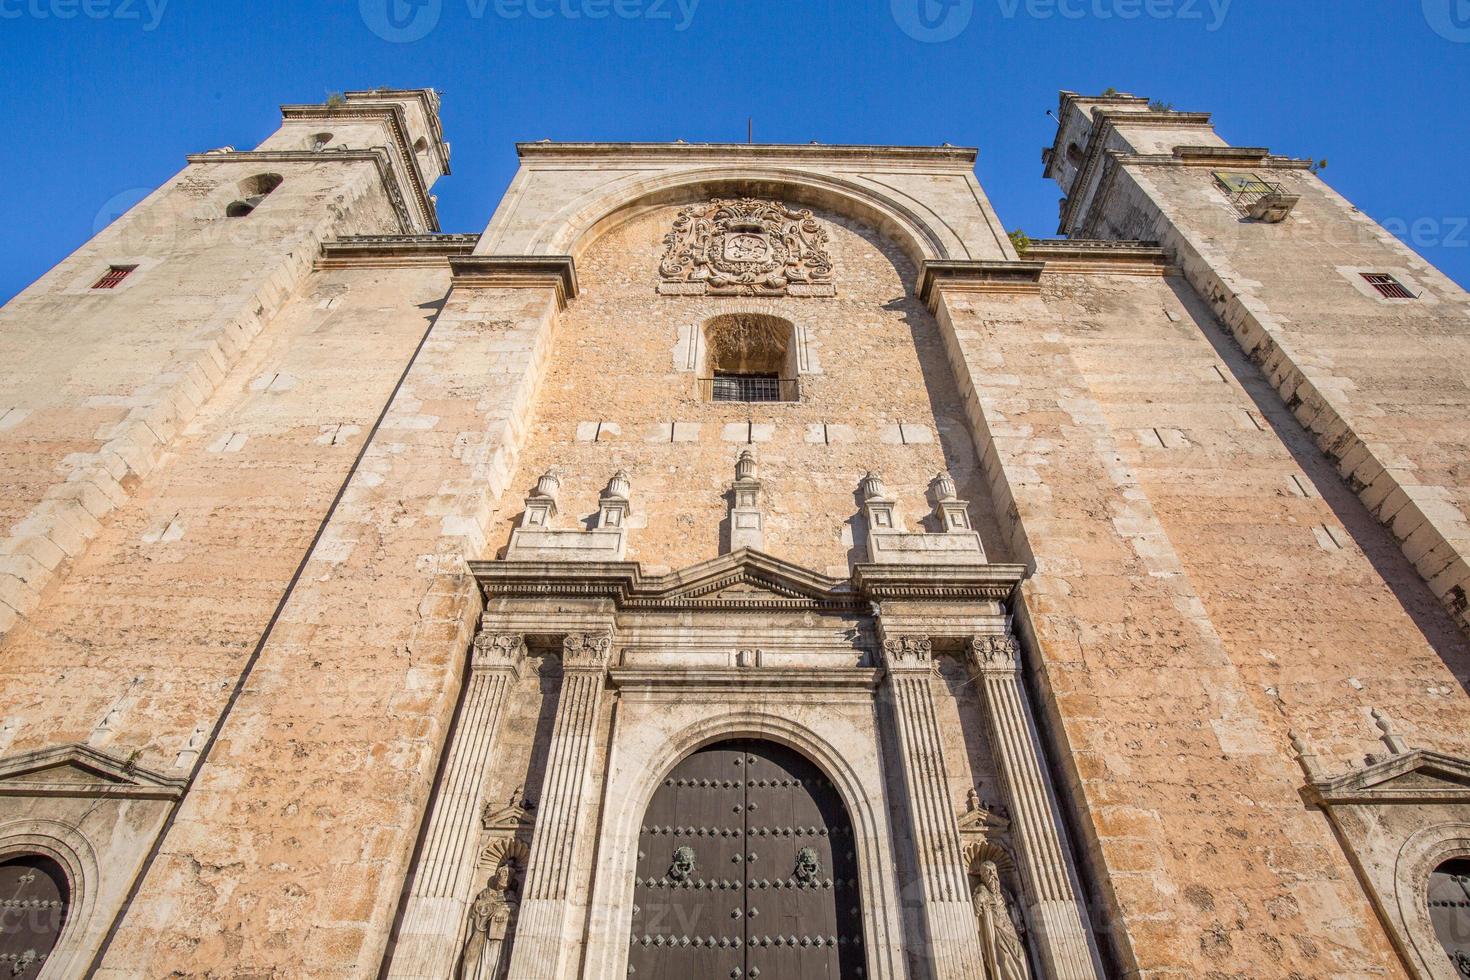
953	943
1060	935
434	918
542	940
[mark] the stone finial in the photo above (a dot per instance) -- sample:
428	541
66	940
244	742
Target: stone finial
613	507
1305	757
619	487
541	503
952	513
549	485
1392	739
872	487
745	466
944	488
747	522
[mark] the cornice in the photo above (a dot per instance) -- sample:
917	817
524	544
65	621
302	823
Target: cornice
378	156
805	152
486	271
394	251
1100	257
995	583
398	128
978	276
787	680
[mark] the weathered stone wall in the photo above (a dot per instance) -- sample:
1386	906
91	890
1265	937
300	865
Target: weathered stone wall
100	382
616	398
1202	585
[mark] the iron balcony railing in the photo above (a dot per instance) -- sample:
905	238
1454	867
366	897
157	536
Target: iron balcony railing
749	388
1246	192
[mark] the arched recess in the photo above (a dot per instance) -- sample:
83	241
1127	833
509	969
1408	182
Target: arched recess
1419	856
75	855
571	230
627	800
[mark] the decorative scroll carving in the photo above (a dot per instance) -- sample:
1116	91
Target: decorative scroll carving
588	651
746	247
995	652
492	915
908	651
494	650
1005	955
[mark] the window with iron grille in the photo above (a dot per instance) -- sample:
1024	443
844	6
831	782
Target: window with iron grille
1387	285
113	277
730	387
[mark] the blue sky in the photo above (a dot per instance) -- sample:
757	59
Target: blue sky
103	98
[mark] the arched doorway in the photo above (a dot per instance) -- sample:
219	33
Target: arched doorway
34	898
746	869
1449	910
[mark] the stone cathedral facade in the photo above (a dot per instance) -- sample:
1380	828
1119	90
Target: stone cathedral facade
737	561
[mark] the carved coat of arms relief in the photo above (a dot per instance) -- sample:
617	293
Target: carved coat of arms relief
746	247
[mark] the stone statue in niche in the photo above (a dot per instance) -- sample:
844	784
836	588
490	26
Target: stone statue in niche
491	915
746	247
1000	939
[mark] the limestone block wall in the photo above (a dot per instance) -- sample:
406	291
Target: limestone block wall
618	396
1201	585
290	850
100	383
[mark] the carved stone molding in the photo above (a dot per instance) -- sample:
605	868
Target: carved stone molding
908	651
746	247
995	652
586	651
499	651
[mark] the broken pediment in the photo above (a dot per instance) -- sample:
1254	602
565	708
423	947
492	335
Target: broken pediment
78	770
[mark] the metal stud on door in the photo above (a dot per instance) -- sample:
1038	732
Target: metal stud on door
746	870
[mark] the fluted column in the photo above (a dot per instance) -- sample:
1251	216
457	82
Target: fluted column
953	944
1062	939
433	920
543	942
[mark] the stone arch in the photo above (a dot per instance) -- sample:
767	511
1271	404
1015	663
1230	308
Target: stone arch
71	850
581	222
863	803
1417	858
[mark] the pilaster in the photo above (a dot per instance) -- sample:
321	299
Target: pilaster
1062	937
946	911
439	899
544	937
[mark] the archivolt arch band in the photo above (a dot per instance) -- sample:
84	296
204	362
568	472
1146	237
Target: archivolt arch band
626	805
571	230
69	848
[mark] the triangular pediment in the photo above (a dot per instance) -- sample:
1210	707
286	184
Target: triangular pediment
79	770
1410	777
746	577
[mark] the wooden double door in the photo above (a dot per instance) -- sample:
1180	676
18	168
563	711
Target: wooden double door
746	869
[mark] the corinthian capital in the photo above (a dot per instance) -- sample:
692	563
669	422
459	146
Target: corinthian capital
994	652
498	650
586	651
907	651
